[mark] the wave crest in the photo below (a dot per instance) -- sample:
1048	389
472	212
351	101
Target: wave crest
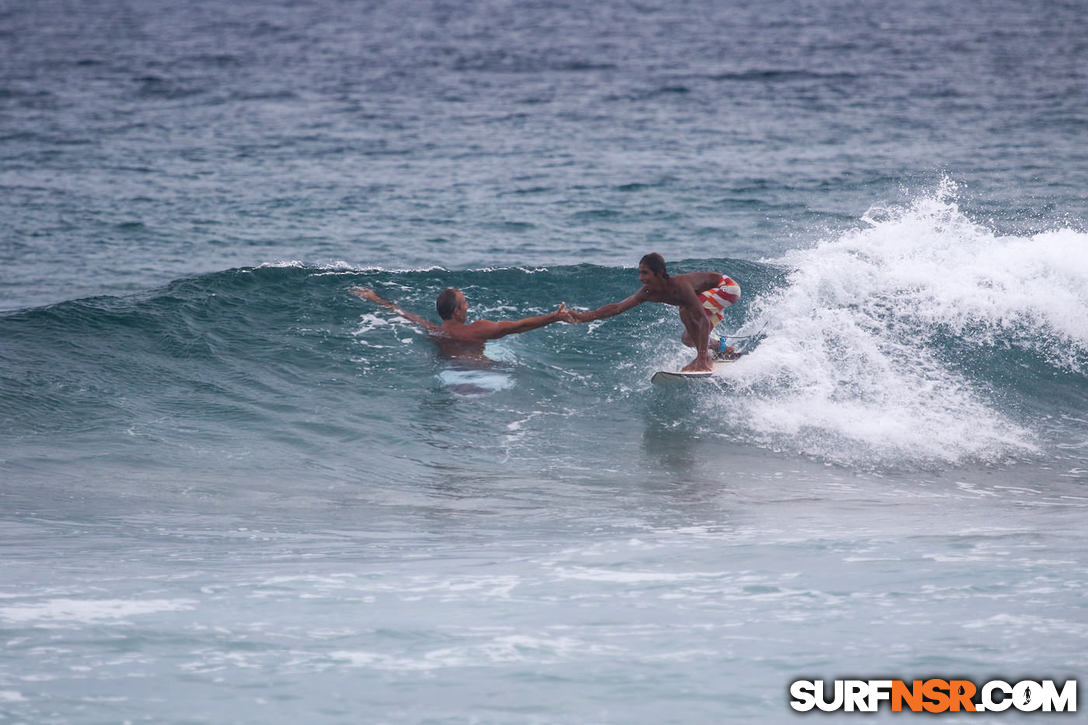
911	337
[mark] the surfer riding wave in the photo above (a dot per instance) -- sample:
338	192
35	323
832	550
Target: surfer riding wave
700	297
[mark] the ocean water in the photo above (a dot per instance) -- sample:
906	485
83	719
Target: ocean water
232	492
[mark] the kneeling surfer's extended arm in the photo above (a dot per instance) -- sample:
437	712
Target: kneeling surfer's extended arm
610	310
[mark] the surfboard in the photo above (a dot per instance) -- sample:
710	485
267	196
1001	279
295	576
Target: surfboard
470	382
743	345
663	377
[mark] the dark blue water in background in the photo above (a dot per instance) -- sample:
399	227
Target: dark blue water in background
146	141
232	492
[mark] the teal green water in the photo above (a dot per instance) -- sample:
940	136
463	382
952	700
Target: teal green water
304	500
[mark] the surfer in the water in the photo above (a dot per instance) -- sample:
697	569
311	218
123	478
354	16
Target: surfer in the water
700	296
457	338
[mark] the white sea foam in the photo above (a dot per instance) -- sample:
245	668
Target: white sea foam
851	368
539	648
367	323
89	610
282	264
935	267
341	266
635	577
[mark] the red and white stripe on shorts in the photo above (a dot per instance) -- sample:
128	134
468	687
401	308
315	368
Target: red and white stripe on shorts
715	300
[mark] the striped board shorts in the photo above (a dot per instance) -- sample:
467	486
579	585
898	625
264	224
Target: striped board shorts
716	299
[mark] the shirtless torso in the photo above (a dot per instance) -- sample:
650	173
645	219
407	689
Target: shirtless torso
457	338
681	291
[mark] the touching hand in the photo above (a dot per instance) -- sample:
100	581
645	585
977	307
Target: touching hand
562	313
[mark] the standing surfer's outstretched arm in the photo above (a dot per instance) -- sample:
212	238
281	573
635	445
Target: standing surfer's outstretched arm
368	294
612	309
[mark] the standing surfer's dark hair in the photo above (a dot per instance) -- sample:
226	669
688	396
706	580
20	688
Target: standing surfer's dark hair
446	302
655	263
